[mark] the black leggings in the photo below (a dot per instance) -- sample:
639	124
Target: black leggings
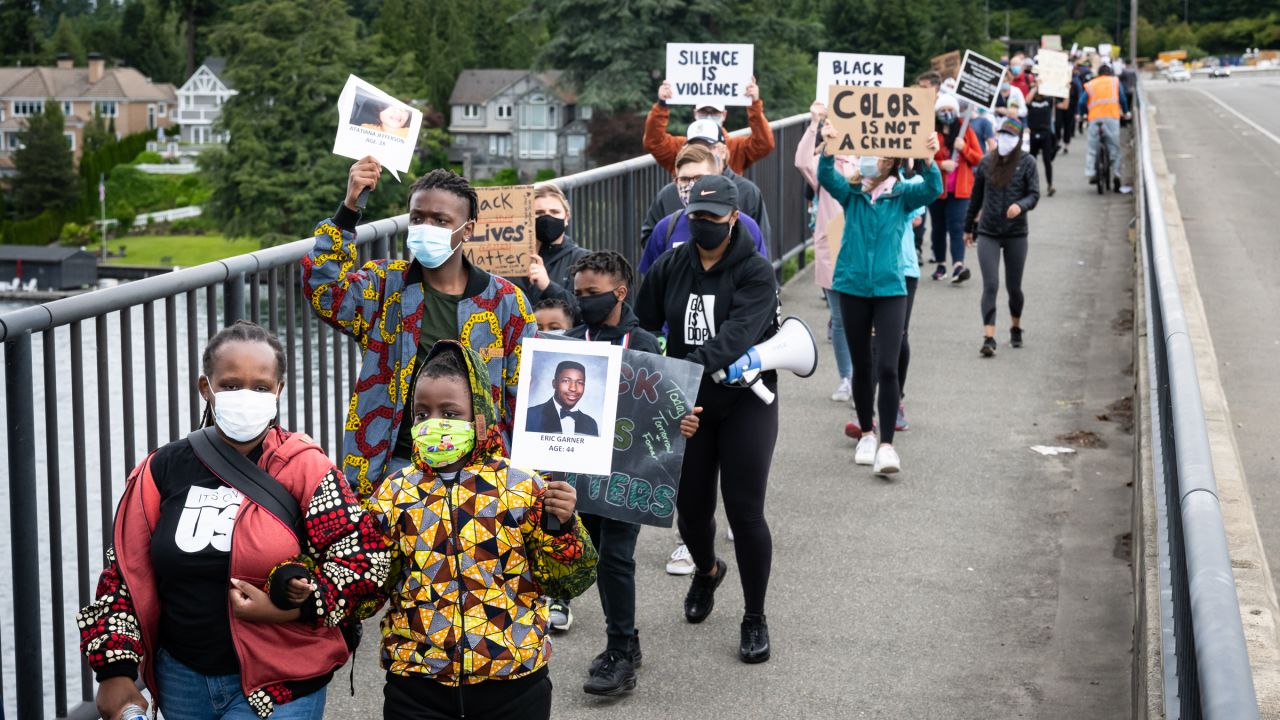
734	440
888	317
990	248
904	356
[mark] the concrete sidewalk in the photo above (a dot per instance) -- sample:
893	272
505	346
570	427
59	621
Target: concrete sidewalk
985	581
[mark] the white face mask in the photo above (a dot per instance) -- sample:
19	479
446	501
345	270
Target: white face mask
1005	143
242	415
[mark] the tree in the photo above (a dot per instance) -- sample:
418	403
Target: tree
45	178
151	45
277	175
66	40
21	37
96	136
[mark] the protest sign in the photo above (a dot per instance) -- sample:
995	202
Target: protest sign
567	399
371	122
1050	42
854	69
979	80
648	450
889	122
503	240
1054	71
704	74
1104	49
947	65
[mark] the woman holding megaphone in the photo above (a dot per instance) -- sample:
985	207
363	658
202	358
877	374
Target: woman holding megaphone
718	298
870	285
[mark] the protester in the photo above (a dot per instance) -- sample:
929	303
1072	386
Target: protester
1020	73
1010	103
603	282
183	598
744	151
911	276
1083	73
693	162
956	156
1044	143
670	200
554	316
549	273
465	633
980	124
398	309
1104	100
871	285
1006	187
718	298
825	247
929	80
1065	116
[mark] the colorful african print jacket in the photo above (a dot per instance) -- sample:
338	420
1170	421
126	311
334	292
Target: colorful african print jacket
347	559
472	563
381	305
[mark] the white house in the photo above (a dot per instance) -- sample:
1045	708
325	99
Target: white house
200	102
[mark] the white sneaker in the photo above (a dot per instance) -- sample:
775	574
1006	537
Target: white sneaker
887	461
681	562
728	531
843	393
865	453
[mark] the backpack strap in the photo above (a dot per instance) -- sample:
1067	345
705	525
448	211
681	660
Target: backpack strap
253	482
671	223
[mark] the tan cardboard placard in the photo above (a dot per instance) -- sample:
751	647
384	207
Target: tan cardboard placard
1051	42
885	122
947	64
503	240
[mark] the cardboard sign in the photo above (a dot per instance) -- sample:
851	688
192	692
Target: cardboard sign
1054	71
887	122
704	74
979	80
371	122
1050	42
861	70
655	392
503	240
947	65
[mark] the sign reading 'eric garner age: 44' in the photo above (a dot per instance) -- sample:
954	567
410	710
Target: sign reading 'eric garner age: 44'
887	122
704	74
503	240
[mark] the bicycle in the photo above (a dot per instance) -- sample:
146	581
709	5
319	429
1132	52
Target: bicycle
1102	161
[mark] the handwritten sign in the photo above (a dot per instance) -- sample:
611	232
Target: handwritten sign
371	122
503	240
1050	42
888	122
1104	49
654	393
862	70
1054	70
704	74
979	80
947	65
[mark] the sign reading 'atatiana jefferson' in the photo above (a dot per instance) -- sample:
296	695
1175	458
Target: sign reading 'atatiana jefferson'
709	73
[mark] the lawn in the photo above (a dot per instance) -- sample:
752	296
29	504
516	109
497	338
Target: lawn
183	250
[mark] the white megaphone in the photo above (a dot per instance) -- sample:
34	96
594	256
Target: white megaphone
792	348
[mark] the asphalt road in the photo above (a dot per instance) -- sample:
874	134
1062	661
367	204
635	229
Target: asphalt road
1228	173
985	581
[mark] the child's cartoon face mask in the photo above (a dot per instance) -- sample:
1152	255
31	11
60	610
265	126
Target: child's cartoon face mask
441	442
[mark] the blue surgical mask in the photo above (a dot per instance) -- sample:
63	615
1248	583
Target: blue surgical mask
1016	70
869	167
431	245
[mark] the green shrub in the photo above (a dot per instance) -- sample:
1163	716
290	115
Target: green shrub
148	157
544	175
192	226
39	230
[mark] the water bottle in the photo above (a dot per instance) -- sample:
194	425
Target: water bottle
133	712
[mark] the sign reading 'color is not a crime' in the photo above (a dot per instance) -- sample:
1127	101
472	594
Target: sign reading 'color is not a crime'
887	122
503	240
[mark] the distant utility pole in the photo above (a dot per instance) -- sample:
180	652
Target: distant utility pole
1133	33
986	19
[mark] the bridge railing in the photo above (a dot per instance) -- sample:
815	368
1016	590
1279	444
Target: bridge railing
94	382
1204	657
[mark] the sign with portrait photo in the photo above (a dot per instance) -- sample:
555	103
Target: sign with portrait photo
704	74
567	403
371	122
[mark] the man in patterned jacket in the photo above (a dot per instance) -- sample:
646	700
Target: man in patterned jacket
398	309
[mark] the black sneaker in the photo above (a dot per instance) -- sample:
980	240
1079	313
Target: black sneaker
940	273
754	644
633	654
1015	337
701	598
988	347
614	675
959	275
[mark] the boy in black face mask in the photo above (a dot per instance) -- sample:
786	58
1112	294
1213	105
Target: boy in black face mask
549	276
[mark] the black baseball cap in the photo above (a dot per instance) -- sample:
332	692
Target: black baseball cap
715	194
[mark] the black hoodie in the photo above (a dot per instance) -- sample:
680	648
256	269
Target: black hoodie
738	297
558	259
640	339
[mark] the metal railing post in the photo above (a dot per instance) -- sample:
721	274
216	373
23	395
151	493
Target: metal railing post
233	299
23	530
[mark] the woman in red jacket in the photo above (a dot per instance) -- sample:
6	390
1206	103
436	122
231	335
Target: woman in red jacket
956	158
224	610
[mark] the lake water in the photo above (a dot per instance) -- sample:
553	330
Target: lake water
73	568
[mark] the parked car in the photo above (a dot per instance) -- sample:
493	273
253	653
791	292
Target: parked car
1221	71
1178	74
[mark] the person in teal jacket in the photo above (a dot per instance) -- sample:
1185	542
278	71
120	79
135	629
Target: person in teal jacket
871	284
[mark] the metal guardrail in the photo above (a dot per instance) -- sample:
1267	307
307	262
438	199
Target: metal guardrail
150	408
1204	657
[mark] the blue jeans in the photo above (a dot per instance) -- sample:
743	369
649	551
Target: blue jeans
844	364
1110	129
188	695
946	215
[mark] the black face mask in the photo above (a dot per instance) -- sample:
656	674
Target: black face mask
595	309
708	233
548	229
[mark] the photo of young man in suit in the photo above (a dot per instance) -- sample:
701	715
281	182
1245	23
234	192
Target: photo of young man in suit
559	414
